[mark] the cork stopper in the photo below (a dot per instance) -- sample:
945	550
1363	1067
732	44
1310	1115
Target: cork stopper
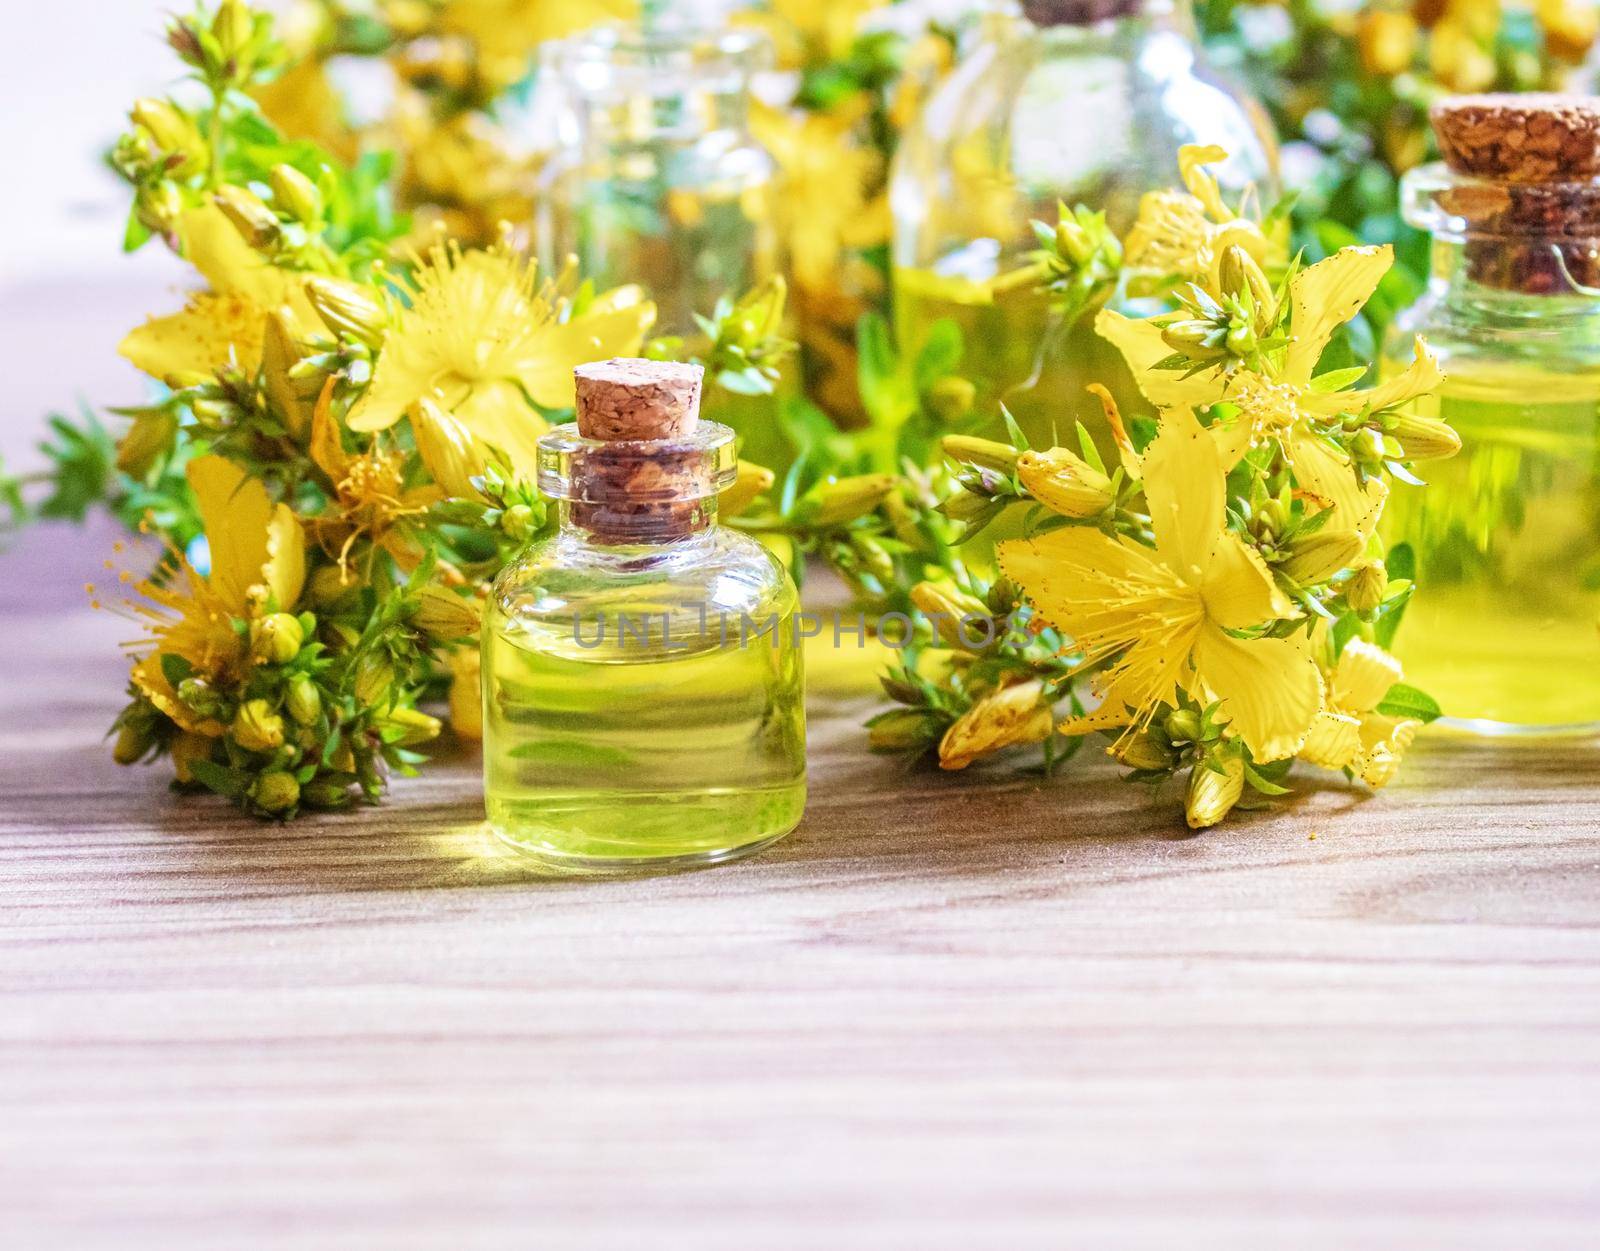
1077	12
633	399
1533	138
638	466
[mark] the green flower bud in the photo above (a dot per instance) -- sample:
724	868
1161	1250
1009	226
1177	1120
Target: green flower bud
1193	338
1212	795
517	522
276	638
1366	448
303	700
1317	557
257	727
842	500
1183	726
444	616
984	453
968	506
170	130
875	558
1146	750
414	727
346	308
374	678
147	440
160	207
901	730
134	741
250	216
1065	483
1238	275
947	607
295	194
1072	240
1426	438
232	27
275	792
321	793
950	399
1367	586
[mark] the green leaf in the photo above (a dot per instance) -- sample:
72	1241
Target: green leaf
175	669
1408	701
1258	782
230	783
1401	563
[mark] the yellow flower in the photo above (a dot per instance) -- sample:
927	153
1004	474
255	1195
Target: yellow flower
226	324
1183	234
482	339
812	32
1570	27
1387	41
1283	405
507	31
1008	717
1213	792
1167	619
1349	733
374	502
257	564
831	196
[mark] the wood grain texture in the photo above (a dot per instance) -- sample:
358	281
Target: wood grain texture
965	1012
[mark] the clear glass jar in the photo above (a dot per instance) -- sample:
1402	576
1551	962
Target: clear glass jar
1081	101
643	683
1505	628
657	178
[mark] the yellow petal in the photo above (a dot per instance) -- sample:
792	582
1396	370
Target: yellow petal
1324	471
1008	717
284	572
1270	689
327	450
1057	570
236	512
448	450
1141	345
214	246
1239	590
1185	491
616	328
497	416
1202	186
1386	740
1334	741
212	331
466	696
1362	677
1324	297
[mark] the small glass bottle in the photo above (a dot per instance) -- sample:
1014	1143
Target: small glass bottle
657	178
642	679
1081	101
1505	628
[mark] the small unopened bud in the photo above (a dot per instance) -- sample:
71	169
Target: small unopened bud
948	607
517	522
303	700
968	506
275	792
1238	275
257	728
1146	750
169	129
186	749
1366	448
374	678
232	27
1213	794
250	216
413	727
1073	241
1367	586
321	793
874	558
843	500
1008	717
984	453
752	482
276	638
950	399
134	741
295	194
1193	338
201	698
1065	483
149	438
900	730
1183	726
346	308
1317	557
1426	438
444	616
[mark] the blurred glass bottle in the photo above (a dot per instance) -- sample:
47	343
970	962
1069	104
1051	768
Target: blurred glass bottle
1075	101
656	178
1505	629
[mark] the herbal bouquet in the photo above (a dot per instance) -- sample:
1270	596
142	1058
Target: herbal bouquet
339	459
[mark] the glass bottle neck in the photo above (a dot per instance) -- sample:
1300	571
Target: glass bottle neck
1121	28
642	534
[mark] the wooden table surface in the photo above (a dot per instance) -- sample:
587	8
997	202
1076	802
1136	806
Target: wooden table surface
974	1012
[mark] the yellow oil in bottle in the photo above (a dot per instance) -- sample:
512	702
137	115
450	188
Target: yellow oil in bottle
1017	355
1504	630
644	734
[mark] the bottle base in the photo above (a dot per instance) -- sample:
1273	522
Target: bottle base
645	833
